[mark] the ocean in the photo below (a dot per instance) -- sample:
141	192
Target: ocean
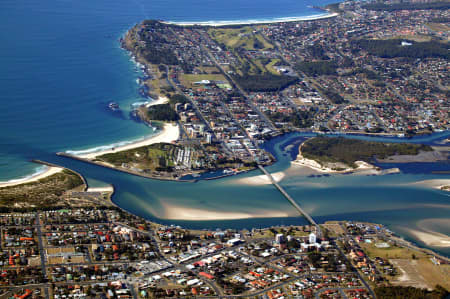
62	64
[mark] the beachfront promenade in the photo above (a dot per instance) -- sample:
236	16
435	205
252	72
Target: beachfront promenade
288	197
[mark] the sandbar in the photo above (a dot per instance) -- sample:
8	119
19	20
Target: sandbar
431	238
101	189
261	179
436	184
174	212
49	170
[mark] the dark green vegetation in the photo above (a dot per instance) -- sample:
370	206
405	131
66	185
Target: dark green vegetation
154	157
153	51
300	119
398	292
333	7
177	98
265	82
392	48
43	193
163	112
333	96
408	6
317	68
348	151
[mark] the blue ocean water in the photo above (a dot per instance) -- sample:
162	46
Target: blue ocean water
61	64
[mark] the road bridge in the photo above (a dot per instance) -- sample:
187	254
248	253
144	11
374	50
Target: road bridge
291	200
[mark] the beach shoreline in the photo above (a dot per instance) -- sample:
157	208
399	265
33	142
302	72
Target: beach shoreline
254	22
48	171
302	161
168	134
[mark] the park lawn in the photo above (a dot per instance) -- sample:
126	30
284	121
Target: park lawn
388	253
208	69
271	64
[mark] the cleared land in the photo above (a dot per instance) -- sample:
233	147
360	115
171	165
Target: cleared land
189	79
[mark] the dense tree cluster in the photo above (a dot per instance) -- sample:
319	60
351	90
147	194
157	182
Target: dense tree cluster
398	292
317	68
407	6
393	48
162	112
317	51
178	98
348	151
300	119
333	96
265	82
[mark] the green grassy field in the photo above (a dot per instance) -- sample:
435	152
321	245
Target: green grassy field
240	37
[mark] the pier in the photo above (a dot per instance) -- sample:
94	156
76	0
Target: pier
289	198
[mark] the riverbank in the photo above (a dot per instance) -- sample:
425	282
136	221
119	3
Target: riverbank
255	22
168	134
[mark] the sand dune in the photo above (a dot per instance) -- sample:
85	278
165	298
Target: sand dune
46	173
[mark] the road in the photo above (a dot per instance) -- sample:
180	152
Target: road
288	197
42	253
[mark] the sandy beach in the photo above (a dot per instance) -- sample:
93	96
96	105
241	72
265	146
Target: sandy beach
256	22
169	133
159	101
101	189
173	212
302	161
49	170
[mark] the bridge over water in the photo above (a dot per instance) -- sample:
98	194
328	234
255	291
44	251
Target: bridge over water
289	198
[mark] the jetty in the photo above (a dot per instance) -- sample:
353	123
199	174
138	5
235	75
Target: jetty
291	200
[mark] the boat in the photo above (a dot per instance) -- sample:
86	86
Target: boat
113	106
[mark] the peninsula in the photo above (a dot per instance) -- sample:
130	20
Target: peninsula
340	155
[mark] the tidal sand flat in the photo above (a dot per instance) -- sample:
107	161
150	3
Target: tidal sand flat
261	179
430	238
436	183
174	212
